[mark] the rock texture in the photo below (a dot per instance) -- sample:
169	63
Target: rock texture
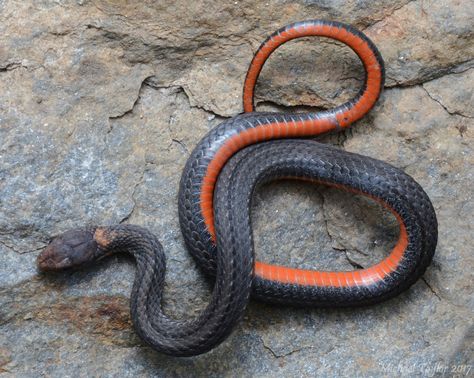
101	103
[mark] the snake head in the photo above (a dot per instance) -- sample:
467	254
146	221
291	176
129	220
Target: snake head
70	249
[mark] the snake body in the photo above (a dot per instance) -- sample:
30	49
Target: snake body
215	196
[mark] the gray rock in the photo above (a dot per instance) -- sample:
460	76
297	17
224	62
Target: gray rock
100	105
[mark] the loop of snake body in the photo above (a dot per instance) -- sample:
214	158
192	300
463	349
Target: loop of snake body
215	196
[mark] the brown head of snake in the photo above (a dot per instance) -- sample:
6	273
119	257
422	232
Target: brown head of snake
70	249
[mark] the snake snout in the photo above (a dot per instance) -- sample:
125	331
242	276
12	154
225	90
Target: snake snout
68	250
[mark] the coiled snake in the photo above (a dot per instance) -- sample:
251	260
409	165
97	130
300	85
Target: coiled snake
214	208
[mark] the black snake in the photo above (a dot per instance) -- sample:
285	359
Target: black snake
214	207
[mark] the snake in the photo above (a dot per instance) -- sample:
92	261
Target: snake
215	201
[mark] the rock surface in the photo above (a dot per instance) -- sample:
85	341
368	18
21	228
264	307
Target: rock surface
101	103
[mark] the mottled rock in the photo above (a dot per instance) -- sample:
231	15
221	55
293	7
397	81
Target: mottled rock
424	40
458	101
101	103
